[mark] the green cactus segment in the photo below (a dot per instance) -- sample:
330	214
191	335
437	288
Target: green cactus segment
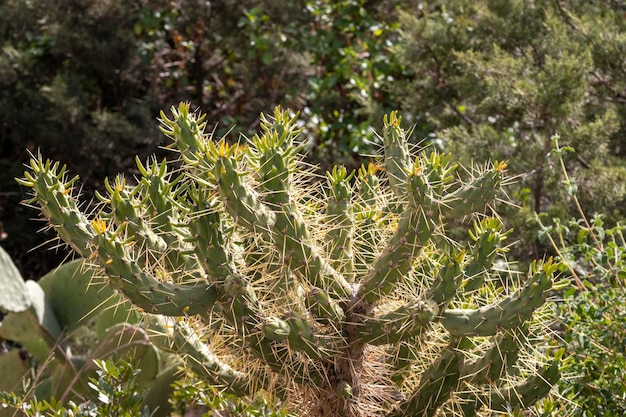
427	180
304	337
526	394
14	295
402	356
448	279
53	195
160	196
368	217
76	296
487	237
436	385
207	365
276	329
413	230
397	156
473	196
244	308
521	396
187	130
37	329
124	203
125	274
340	214
258	331
241	307
13	366
400	324
497	360
206	228
324	309
275	158
424	181
145	291
284	228
241	201
507	313
369	185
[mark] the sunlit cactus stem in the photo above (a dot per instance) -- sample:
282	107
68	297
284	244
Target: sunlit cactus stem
343	293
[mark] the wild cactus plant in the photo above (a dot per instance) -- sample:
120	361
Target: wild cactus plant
342	296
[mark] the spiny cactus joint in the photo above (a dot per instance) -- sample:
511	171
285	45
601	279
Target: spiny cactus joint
351	295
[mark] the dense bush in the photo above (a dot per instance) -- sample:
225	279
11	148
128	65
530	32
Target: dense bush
496	79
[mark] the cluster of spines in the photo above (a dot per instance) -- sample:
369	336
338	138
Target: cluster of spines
179	222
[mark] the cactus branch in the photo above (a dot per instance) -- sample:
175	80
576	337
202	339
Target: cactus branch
507	313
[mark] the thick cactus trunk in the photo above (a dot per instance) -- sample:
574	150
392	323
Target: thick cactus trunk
346	299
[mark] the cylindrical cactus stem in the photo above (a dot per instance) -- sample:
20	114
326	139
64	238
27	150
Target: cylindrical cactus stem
165	212
240	200
125	210
52	193
486	237
369	192
239	302
403	355
146	292
473	196
424	180
323	308
436	384
402	323
187	131
448	278
526	394
206	364
257	330
264	335
284	228
521	396
427	180
206	229
339	212
92	239
368	217
414	229
397	155
498	359
274	155
508	313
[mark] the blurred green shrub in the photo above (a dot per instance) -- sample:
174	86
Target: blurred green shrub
496	79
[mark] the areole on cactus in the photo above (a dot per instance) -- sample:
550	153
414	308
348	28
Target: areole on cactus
343	297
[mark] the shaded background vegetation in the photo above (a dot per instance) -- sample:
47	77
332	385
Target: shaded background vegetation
83	81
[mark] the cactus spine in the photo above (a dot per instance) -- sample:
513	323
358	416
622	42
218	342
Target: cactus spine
351	296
